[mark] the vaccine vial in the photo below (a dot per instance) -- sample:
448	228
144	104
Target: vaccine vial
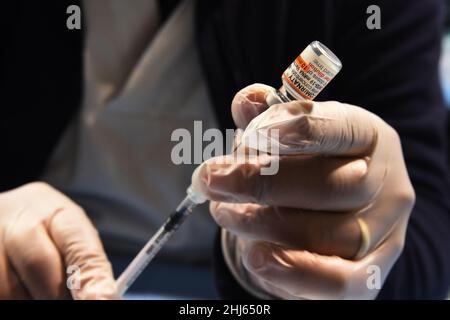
308	75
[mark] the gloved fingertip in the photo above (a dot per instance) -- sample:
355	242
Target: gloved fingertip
97	289
201	178
248	103
206	178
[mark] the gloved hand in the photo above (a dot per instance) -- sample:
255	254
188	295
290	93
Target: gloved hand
42	233
333	216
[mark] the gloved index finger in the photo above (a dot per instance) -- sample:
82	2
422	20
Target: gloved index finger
91	275
305	127
305	182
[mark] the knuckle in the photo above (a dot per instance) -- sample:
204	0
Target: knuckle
358	176
405	198
38	187
398	246
77	210
409	197
393	134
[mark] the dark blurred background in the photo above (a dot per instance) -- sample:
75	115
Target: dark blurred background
445	62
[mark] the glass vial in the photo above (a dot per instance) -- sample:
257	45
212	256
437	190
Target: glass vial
308	75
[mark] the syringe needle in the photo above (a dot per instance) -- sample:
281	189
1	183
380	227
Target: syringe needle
154	245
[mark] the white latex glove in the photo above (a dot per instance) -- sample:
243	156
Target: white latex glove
43	232
336	211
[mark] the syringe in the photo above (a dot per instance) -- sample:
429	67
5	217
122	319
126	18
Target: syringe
146	255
